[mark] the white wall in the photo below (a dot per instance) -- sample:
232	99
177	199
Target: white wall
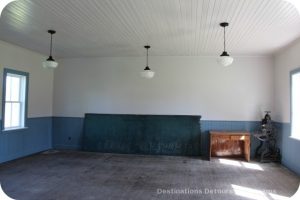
40	80
285	61
182	85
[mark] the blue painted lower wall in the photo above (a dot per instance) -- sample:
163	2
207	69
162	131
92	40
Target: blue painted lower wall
19	143
68	132
290	147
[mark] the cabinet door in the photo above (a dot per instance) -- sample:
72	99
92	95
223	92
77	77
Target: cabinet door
227	145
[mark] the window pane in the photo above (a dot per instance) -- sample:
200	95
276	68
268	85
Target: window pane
296	105
8	88
7	117
15	99
15	88
15	120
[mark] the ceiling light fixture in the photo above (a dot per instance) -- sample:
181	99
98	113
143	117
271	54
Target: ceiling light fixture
224	58
50	62
3	4
147	73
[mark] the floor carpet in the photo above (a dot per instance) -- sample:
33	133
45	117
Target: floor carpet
65	175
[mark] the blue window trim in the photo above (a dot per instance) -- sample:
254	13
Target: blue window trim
292	72
26	74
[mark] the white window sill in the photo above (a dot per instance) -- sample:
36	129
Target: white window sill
295	138
14	129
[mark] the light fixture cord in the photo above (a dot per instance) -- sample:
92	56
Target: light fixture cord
51	45
224	39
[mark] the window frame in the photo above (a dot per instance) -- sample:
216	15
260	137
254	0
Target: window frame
292	72
7	71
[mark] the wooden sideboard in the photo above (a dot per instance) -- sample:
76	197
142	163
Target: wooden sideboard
229	144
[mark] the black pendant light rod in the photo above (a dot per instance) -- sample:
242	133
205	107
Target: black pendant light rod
224	24
224	39
147	47
51	32
51	45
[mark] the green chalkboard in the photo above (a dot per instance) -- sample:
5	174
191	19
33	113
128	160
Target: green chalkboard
142	134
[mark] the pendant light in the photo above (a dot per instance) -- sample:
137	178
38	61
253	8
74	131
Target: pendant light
3	4
50	62
224	58
147	73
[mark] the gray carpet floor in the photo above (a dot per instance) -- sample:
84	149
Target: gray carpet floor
75	175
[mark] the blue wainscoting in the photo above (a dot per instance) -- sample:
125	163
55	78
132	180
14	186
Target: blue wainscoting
68	132
19	143
290	147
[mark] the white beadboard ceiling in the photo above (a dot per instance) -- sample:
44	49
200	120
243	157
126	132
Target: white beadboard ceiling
88	28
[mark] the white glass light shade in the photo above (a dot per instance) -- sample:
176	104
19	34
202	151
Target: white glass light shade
3	4
50	64
225	60
147	74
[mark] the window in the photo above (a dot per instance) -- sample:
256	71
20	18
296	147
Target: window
295	103
14	100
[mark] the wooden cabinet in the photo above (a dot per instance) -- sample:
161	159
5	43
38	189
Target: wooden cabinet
229	144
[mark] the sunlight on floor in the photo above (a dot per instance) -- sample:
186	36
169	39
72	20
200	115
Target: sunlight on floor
251	193
278	197
241	164
252	166
297	194
230	162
